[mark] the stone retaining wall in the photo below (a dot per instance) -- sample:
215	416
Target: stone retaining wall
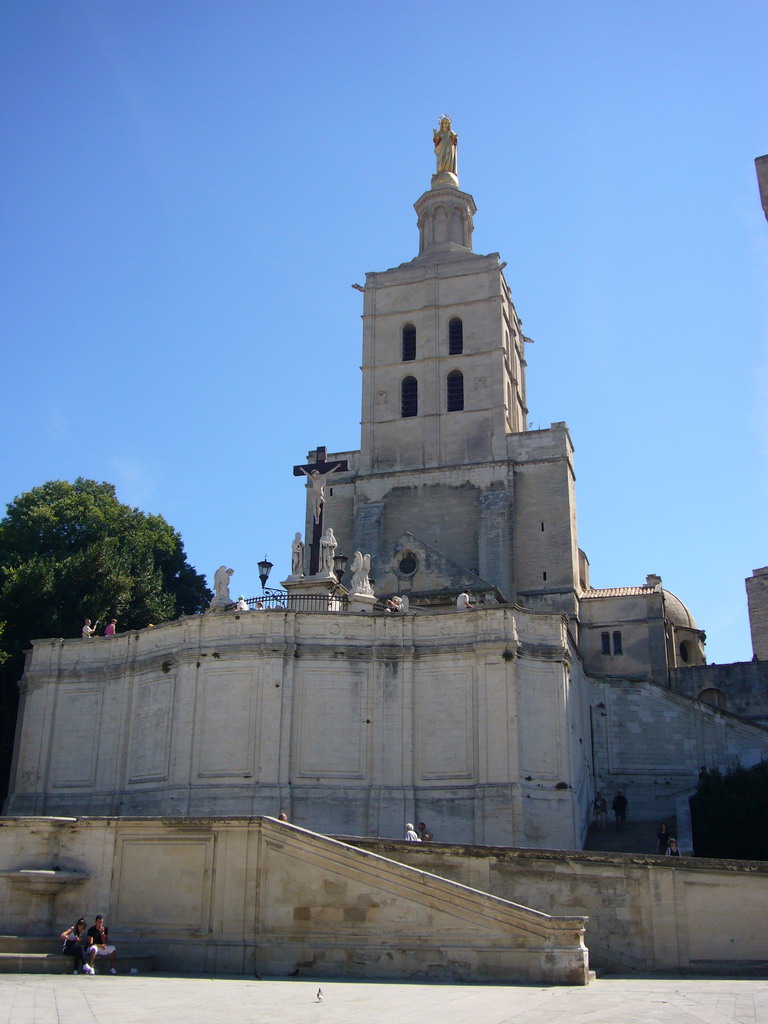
646	913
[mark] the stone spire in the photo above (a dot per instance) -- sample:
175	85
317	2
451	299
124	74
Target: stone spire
445	213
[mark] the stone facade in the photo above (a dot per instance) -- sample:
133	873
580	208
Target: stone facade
351	723
651	741
255	896
482	723
496	726
757	600
646	913
741	687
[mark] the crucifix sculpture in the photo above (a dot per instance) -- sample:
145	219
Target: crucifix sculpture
317	473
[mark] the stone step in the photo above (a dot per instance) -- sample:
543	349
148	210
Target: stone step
31	954
637	836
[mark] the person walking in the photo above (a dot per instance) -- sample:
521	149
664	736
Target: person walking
600	811
662	838
620	809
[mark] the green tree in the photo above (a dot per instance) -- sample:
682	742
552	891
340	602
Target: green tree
71	551
729	814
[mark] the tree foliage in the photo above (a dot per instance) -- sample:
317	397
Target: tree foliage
71	551
729	814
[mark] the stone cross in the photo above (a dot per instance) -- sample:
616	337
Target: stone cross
317	473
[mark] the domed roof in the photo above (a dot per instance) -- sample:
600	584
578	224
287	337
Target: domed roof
676	612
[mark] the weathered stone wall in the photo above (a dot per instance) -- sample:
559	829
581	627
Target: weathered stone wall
640	620
253	895
650	741
352	723
546	546
743	686
757	600
428	295
645	913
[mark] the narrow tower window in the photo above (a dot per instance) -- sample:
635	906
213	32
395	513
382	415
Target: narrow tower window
455	337
605	642
409	342
617	643
455	391
409	397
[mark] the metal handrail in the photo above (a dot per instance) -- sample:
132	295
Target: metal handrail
281	600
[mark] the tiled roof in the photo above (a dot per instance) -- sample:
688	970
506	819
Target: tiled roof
644	588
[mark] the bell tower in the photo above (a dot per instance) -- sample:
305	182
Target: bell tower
450	489
443	363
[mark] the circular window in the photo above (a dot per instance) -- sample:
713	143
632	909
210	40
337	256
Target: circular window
408	564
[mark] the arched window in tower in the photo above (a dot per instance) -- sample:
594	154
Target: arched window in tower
455	391
455	337
409	397
409	342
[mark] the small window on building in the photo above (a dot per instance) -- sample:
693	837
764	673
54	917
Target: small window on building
409	397
455	391
455	337
605	641
714	697
617	642
684	652
409	342
408	564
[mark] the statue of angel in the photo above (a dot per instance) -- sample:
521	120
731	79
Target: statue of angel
361	566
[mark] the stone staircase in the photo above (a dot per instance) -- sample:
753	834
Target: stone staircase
30	954
637	837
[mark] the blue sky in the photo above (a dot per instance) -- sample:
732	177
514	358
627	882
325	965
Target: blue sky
190	188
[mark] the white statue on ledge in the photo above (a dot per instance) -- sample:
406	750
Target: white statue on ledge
361	566
328	545
297	556
221	579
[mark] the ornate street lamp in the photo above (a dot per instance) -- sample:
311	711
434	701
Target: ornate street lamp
339	565
265	568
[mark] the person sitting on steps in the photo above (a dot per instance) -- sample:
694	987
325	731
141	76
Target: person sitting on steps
98	945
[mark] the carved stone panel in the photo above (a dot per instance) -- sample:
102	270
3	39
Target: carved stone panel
226	730
446	725
150	740
331	707
74	759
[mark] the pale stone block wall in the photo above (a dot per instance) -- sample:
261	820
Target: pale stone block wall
428	295
742	686
645	913
757	600
640	620
650	741
352	723
546	544
253	895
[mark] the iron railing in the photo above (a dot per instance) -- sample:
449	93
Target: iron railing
281	600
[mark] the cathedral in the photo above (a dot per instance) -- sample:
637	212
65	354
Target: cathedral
496	720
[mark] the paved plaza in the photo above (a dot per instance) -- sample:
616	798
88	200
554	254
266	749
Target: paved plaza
65	999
